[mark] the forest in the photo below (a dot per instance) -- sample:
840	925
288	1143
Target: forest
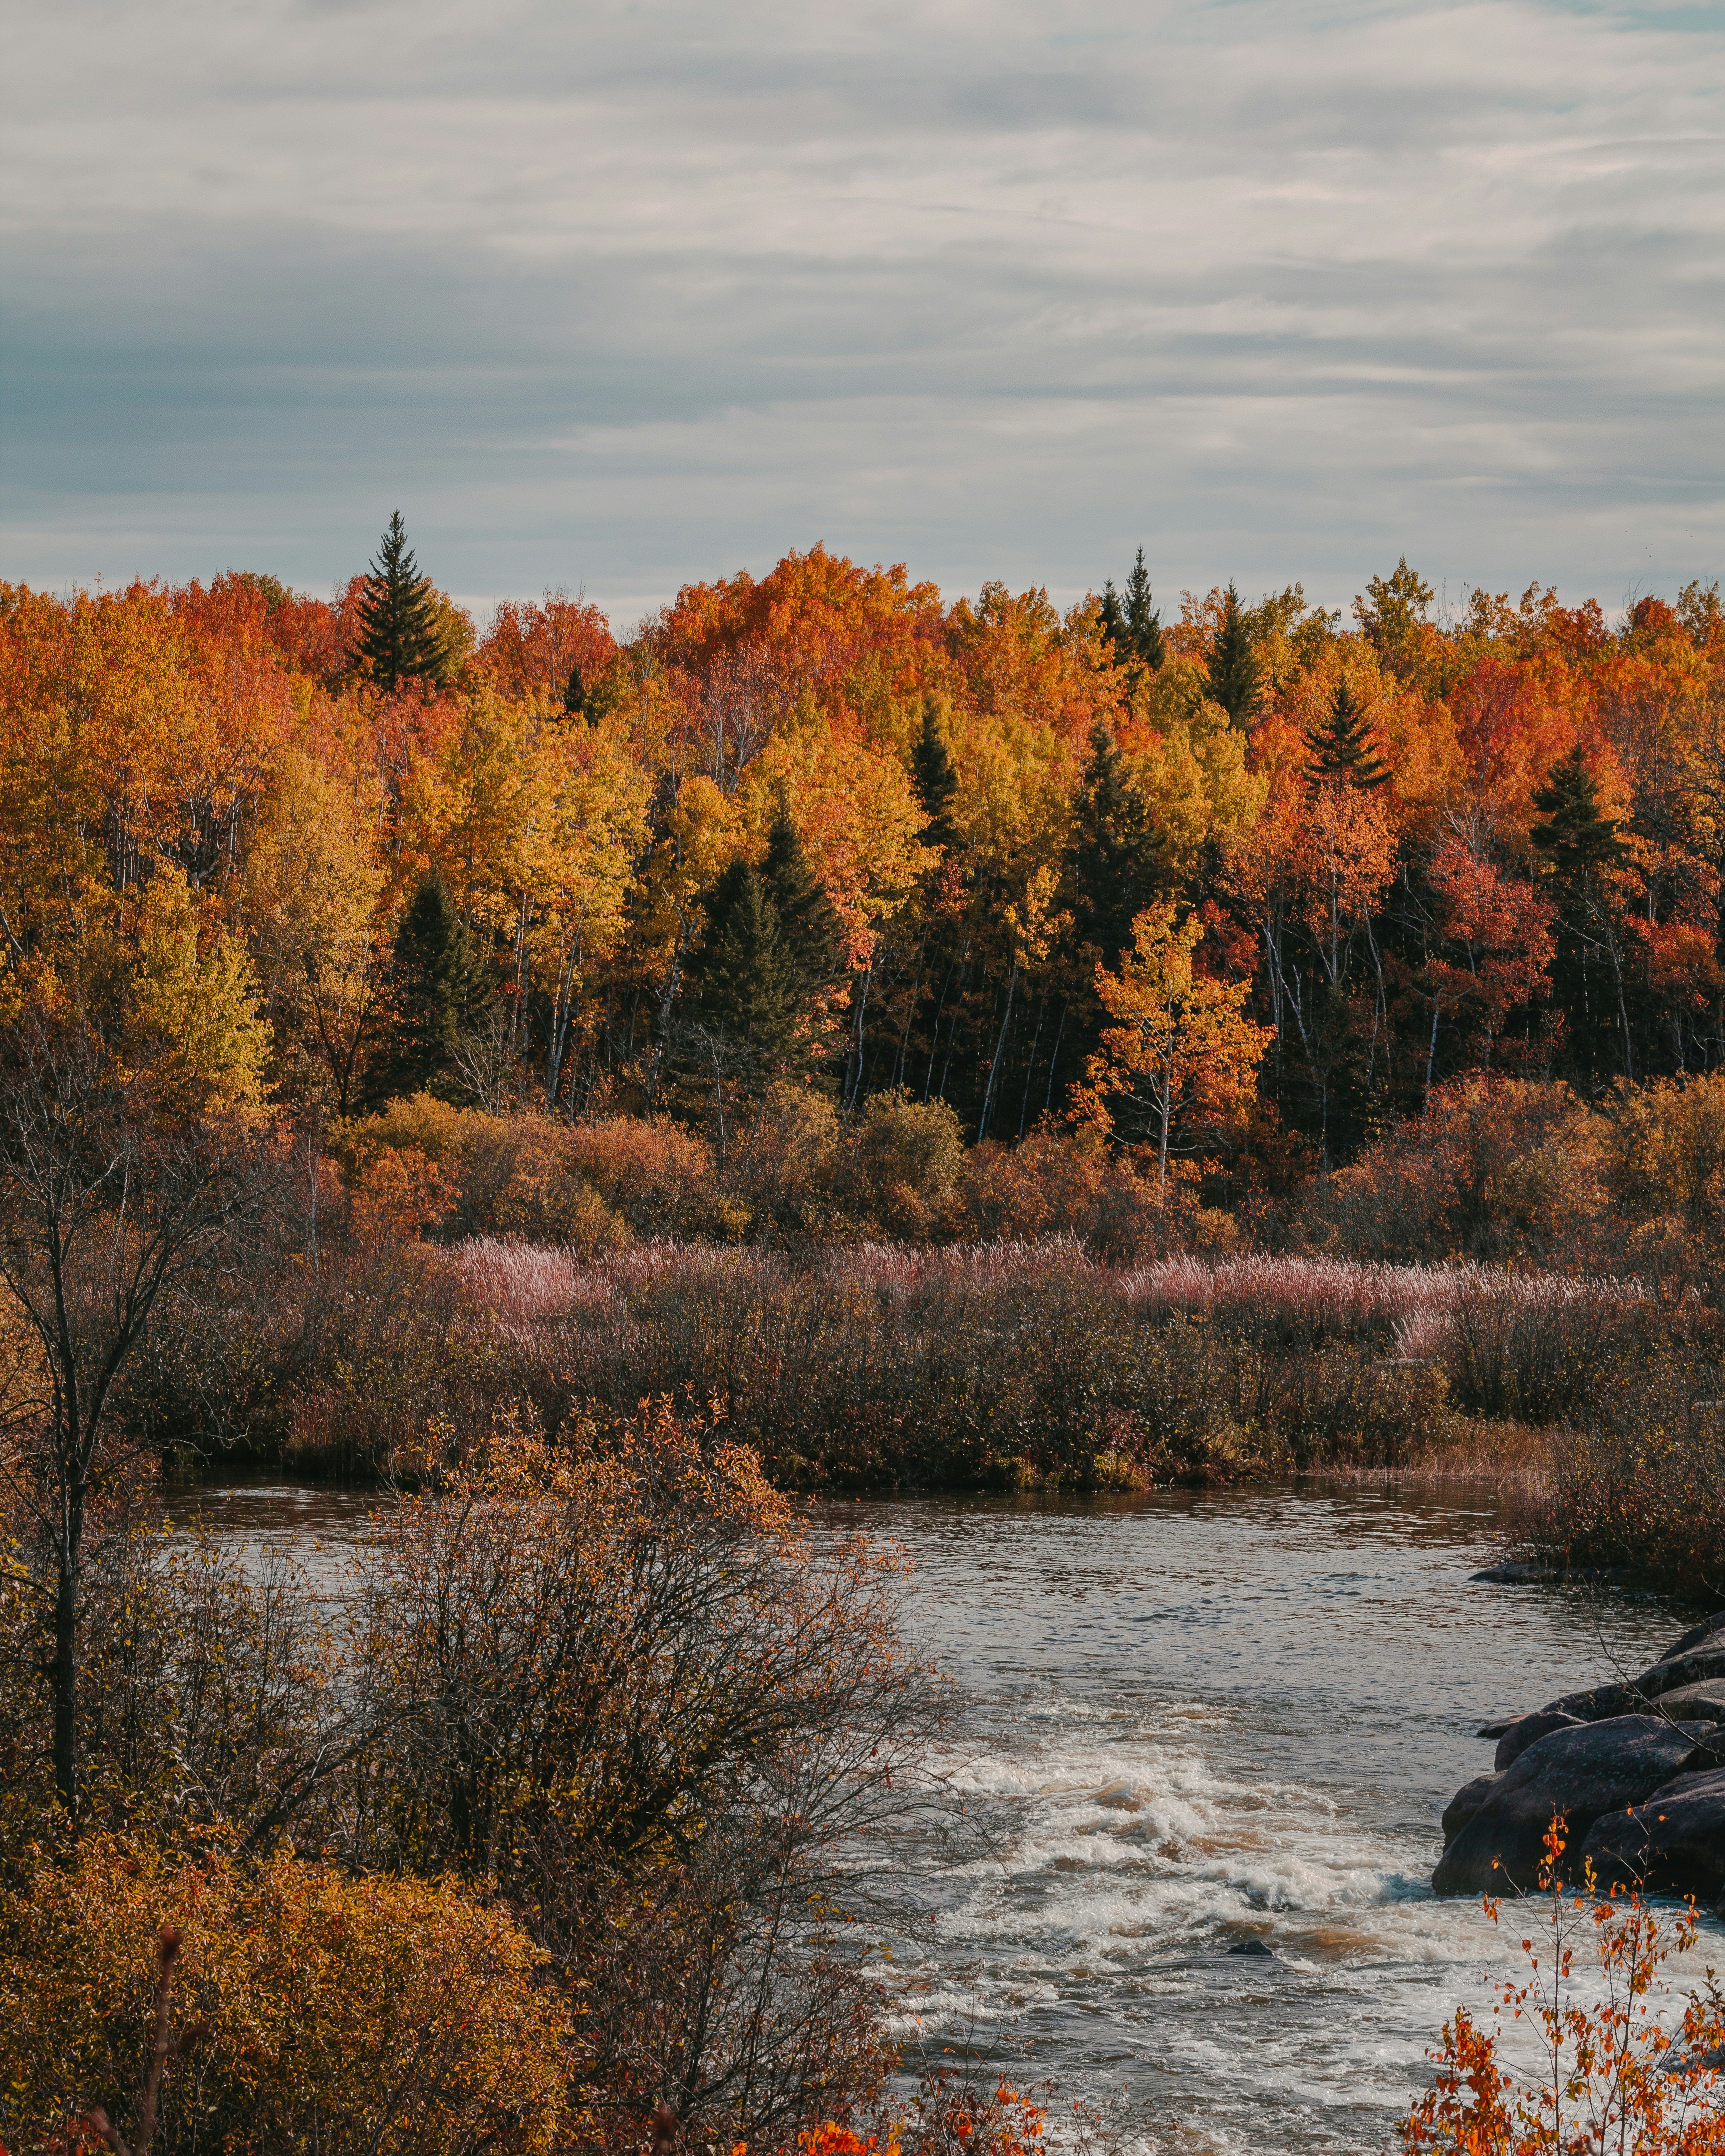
600	1093
1247	886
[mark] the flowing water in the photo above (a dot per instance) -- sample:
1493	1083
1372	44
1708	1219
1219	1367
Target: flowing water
1192	1722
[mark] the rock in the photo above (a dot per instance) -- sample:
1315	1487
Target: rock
1255	1946
1496	1728
1517	1572
1465	1802
1695	1703
1582	1773
1529	1729
1696	1666
1695	1635
1674	1843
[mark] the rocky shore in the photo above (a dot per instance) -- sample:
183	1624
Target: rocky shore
1636	1770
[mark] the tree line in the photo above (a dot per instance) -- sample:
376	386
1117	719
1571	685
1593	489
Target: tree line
1243	885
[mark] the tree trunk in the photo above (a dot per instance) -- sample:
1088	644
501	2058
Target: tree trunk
65	1661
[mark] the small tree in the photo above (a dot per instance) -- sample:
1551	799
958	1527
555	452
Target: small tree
439	993
1342	751
1234	672
401	630
1131	620
1181	1050
1118	861
116	1180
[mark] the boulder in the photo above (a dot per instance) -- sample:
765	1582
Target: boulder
1465	1802
1695	1703
1695	1636
1528	1730
1579	1772
1604	1702
1674	1843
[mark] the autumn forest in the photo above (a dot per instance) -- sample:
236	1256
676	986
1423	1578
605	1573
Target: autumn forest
594	1097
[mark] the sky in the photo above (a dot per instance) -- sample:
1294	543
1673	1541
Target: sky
614	297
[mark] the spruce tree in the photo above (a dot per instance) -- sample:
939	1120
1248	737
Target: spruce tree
749	992
399	631
575	695
1580	846
809	928
1118	861
936	781
1131	623
1233	665
1143	621
1576	838
439	993
1342	747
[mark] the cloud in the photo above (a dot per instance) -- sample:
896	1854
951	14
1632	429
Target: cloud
634	293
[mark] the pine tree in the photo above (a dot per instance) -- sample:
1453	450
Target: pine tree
1143	621
936	781
810	929
399	630
1233	665
1342	747
1131	622
439	993
575	695
1575	837
1118	861
1580	846
749	990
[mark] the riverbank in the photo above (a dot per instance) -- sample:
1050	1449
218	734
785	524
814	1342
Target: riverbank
1195	1721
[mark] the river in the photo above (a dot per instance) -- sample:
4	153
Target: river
1192	1721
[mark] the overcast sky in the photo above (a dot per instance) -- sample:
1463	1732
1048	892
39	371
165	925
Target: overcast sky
625	295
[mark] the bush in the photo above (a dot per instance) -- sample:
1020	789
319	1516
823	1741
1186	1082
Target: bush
297	2007
1497	1168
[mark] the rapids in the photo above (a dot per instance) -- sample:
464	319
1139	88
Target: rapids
1192	1721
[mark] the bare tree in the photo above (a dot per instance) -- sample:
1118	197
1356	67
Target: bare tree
109	1191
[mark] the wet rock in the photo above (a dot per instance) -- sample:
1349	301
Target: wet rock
1497	1728
1674	1843
1697	1634
1467	1801
1695	1703
1582	1773
1516	1572
1698	1665
1528	1730
1254	1946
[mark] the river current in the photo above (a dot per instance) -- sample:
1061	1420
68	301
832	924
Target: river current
1193	1723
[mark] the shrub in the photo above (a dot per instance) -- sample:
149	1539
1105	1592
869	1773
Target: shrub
1497	1168
1611	2075
908	1159
293	2006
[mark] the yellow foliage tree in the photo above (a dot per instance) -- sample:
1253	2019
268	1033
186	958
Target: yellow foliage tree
1181	1048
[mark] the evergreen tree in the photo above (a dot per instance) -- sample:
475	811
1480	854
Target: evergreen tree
1580	846
575	695
439	993
399	629
1343	748
807	923
1143	621
1118	861
1131	622
749	992
936	781
1234	665
1576	838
